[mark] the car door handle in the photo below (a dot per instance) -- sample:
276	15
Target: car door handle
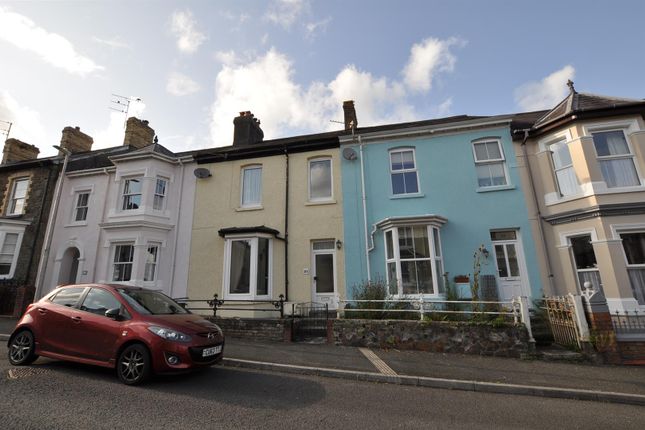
42	311
76	319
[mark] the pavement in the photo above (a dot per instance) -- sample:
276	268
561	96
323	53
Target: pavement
615	384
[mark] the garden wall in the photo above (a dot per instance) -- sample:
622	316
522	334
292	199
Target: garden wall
271	329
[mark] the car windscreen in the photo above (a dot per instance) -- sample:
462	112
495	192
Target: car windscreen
149	302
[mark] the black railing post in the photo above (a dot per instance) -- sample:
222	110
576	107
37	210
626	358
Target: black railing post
281	296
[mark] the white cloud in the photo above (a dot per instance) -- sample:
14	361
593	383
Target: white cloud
51	47
181	85
183	26
428	58
266	86
26	124
544	94
313	27
286	12
113	134
114	43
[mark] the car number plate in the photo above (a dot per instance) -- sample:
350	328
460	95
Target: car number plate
207	352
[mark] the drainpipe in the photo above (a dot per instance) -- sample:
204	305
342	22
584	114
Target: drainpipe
177	225
364	199
286	227
545	249
49	232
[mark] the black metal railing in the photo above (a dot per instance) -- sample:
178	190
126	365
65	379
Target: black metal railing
311	320
629	323
216	304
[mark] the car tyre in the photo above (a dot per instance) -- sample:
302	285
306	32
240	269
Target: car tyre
22	348
134	365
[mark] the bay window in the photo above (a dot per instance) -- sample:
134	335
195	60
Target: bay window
122	262
565	174
248	267
634	248
131	193
9	247
615	158
160	194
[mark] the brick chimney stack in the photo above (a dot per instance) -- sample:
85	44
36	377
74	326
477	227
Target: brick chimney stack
74	140
16	150
138	133
247	130
350	115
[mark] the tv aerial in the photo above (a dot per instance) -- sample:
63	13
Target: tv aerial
122	104
5	129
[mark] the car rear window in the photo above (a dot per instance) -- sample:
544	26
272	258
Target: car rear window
68	296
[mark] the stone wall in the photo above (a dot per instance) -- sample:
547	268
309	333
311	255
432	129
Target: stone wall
632	352
434	336
271	329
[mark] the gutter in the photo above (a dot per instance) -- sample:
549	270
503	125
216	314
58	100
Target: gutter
286	227
364	201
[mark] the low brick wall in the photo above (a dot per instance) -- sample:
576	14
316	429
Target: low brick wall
632	350
435	336
272	329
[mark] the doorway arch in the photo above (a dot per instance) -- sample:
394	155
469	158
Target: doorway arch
68	273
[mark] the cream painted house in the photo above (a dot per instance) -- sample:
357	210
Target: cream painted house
268	220
587	176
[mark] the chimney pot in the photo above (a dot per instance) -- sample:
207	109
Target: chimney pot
138	133
350	115
247	130
16	150
74	140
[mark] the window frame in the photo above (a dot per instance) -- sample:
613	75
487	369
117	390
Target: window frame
253	267
16	254
491	161
155	263
435	259
77	195
403	171
124	195
113	263
331	180
12	196
630	155
562	141
250	205
162	197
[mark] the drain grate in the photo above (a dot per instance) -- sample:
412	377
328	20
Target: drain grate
24	372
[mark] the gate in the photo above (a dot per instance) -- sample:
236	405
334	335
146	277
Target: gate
310	320
562	319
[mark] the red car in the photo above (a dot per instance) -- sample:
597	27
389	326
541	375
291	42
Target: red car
135	330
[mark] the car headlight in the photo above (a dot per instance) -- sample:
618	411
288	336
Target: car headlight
169	334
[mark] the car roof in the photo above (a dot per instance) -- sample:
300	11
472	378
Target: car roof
109	286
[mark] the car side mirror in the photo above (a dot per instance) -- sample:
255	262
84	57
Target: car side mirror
113	314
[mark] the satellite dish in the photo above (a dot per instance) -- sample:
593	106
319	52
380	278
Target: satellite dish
202	173
349	154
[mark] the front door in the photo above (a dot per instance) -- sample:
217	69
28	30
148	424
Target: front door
511	272
324	273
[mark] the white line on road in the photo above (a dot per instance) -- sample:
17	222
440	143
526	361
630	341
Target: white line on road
377	362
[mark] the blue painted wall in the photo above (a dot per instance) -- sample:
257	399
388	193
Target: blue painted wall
448	187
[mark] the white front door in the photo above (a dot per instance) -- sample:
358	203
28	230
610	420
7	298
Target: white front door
511	267
324	273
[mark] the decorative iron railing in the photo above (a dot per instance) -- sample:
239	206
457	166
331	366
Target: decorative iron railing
629	324
561	312
216	304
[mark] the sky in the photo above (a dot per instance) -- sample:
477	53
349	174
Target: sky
190	67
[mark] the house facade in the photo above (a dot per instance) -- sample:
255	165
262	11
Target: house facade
423	200
268	219
586	190
124	216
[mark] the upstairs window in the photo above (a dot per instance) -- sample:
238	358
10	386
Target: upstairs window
82	204
123	260
132	194
251	187
320	182
490	163
160	194
18	196
565	175
615	158
403	172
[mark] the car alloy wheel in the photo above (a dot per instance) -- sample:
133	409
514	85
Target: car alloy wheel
21	349
133	366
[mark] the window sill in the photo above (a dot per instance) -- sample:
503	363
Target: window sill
250	208
320	202
76	224
406	196
496	188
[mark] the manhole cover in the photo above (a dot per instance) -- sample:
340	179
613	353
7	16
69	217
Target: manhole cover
23	372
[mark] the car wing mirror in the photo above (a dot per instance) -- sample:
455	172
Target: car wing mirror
113	314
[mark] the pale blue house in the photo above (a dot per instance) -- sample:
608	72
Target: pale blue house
420	198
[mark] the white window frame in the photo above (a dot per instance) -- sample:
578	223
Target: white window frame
124	195
404	171
491	161
630	155
113	263
77	195
12	196
331	179
253	273
562	140
435	258
14	261
162	197
250	205
155	263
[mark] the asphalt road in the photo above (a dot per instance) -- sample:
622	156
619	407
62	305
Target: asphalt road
52	395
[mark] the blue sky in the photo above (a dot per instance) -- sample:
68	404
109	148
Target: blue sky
196	64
